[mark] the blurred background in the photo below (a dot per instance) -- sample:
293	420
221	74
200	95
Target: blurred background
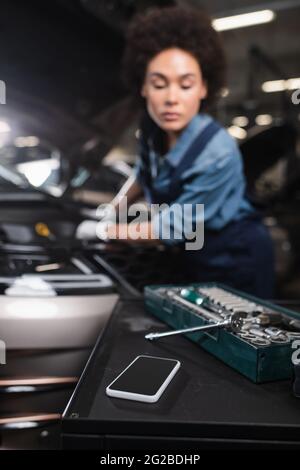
60	64
68	142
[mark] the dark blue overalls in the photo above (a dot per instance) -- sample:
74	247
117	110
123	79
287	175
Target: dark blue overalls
239	255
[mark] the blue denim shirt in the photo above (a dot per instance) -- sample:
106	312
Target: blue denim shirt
215	179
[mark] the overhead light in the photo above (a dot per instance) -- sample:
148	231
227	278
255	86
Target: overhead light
237	132
293	83
4	127
240	121
20	142
243	20
264	119
28	141
225	92
272	86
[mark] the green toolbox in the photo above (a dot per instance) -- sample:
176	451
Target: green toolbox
255	337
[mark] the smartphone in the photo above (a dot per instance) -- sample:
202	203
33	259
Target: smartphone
145	379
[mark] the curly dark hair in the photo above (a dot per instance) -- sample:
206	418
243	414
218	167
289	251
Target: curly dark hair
186	28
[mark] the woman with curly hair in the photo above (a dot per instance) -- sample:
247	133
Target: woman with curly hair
174	63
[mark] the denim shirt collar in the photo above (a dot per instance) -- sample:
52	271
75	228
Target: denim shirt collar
193	129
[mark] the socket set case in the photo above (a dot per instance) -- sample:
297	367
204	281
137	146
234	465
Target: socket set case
261	351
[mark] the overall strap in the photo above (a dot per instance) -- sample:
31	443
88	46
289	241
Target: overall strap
194	150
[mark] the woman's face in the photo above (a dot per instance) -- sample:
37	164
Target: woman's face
173	89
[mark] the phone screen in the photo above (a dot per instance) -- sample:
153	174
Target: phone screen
145	375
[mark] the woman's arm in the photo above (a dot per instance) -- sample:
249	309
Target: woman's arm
129	193
131	190
134	232
142	232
